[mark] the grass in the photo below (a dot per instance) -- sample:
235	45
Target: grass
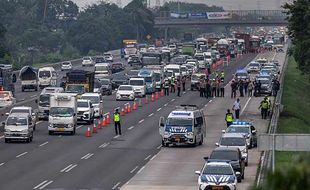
295	117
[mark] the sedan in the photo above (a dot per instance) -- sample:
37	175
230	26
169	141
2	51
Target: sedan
125	92
87	61
67	65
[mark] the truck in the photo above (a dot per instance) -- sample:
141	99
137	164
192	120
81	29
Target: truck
7	78
29	78
63	113
151	58
44	101
130	47
243	42
79	81
254	44
188	49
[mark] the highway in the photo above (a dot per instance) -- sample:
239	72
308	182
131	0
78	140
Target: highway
103	161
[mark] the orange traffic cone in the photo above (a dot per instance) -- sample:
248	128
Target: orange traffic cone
122	112
104	121
152	98
99	124
108	118
162	93
140	103
134	107
146	99
88	132
128	108
94	128
156	96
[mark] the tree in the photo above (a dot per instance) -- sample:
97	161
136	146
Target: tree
5	57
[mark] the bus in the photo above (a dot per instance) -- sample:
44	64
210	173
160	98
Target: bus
151	58
130	48
150	80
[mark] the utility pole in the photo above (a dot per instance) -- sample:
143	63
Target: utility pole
45	10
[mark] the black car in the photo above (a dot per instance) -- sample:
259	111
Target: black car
233	155
117	67
134	61
105	86
133	73
100	59
119	79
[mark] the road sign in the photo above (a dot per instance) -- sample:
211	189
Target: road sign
284	142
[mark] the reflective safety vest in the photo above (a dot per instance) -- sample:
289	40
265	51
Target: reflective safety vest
116	117
222	74
229	117
172	81
166	84
265	104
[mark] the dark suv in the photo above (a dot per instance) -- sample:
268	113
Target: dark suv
233	155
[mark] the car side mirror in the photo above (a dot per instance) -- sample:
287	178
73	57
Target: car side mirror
223	131
254	132
217	144
161	122
101	101
238	173
206	158
197	172
7	114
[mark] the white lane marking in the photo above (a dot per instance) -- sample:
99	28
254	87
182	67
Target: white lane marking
45	185
246	104
66	168
166	104
133	170
140	169
210	101
22	99
104	145
158	109
1	137
115	137
39	122
43	143
32	96
116	185
172	100
159	147
153	157
131	127
141	120
79	126
87	156
151	114
69	169
83	157
22	154
40	184
1	164
147	157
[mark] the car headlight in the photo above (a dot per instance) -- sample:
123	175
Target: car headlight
7	130
25	131
70	125
190	134
231	180
166	133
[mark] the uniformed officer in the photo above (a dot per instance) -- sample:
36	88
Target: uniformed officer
117	122
222	75
172	85
179	87
166	87
229	118
264	108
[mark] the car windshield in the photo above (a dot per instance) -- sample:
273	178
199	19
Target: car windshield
136	82
100	60
157	77
75	89
233	141
20	111
150	60
81	104
254	65
169	74
125	88
16	121
241	74
199	58
44	74
183	69
104	82
175	70
44	100
61	112
86	58
177	60
4	94
93	99
267	71
101	68
264	81
233	129
179	122
133	73
148	79
224	155
66	63
217	170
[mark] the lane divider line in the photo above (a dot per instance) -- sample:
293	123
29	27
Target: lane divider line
140	170
158	147
151	114
158	109
79	126
131	127
40	184
141	120
1	164
147	157
22	154
116	185
153	157
166	104
44	143
66	168
133	170
85	156
69	169
104	145
246	104
46	184
173	100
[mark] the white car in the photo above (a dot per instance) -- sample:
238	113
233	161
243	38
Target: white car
6	99
87	61
27	110
65	66
85	111
96	100
125	92
108	57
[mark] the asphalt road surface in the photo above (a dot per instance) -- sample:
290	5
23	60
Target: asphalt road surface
103	161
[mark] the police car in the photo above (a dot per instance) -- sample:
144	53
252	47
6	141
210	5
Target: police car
184	126
246	129
266	83
241	74
217	175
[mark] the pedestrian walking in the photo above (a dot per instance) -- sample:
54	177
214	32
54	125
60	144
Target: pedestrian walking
229	118
183	82
179	87
222	88
240	84
236	107
264	108
202	88
218	87
259	86
233	86
250	89
117	122
275	87
166	87
208	89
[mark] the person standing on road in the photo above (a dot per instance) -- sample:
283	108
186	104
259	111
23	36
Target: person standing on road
236	107
202	88
250	89
218	87
179	87
264	108
172	85
229	118
166	87
275	87
245	86
233	86
117	122
222	88
259	86
208	89
241	88
183	82
213	85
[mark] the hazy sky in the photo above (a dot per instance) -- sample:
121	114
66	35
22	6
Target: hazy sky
227	4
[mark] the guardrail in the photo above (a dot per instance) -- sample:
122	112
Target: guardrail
268	159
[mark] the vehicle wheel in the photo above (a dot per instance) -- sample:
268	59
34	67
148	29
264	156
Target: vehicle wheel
23	89
73	132
50	132
6	140
239	179
34	127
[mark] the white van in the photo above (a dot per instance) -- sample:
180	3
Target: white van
102	70
47	77
138	85
175	68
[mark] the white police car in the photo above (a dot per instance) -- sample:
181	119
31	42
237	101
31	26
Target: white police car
217	175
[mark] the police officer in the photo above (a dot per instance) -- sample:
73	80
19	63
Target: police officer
183	82
117	122
222	75
166	87
229	118
179	87
264	108
202	88
172	82
208	89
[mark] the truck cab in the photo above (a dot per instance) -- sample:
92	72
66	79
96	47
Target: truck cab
44	101
183	126
63	113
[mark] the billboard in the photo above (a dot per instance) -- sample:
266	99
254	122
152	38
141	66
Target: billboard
219	15
197	15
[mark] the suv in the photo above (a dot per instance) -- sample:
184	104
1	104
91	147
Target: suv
87	61
28	110
18	126
217	175
96	101
235	140
233	155
246	129
85	111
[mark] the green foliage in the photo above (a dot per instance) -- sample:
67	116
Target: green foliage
298	17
